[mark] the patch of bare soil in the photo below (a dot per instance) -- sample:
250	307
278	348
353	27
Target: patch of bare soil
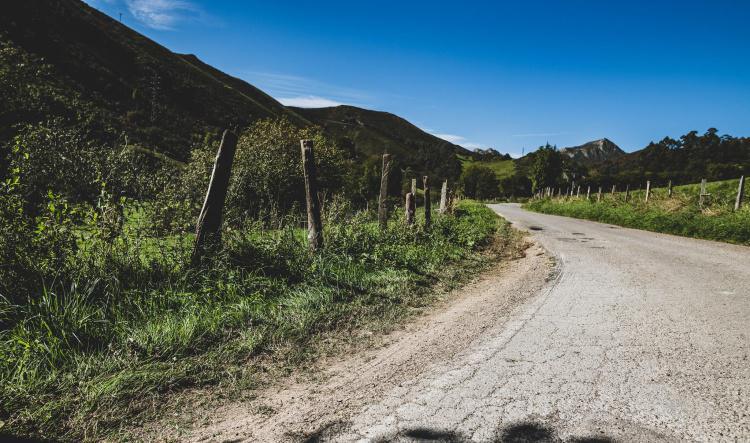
310	400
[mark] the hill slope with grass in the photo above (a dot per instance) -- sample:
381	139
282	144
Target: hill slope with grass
367	133
112	74
64	59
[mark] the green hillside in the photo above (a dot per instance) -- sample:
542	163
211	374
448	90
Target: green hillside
503	168
64	59
96	70
370	133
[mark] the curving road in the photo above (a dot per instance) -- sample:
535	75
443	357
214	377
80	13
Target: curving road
635	336
641	336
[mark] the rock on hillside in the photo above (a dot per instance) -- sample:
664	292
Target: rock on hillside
596	151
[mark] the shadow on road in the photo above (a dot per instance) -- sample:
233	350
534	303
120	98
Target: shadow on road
524	432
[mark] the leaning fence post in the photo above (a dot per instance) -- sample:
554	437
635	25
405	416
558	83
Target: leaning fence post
599	195
669	189
208	226
427	203
444	197
648	190
740	194
314	222
411	208
382	201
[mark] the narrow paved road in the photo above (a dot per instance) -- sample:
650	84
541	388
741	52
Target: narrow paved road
635	336
641	336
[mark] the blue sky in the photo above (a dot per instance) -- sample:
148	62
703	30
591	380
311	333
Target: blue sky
508	75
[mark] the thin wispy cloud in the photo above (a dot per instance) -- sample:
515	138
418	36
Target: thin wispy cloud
457	140
539	134
306	92
451	138
309	101
163	14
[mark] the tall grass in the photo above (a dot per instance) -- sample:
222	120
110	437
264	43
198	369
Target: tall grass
131	321
680	214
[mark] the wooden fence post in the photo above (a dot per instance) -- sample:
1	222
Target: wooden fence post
648	190
383	200
427	202
614	188
314	222
444	197
578	192
740	194
588	193
414	188
627	192
208	226
669	189
599	195
703	192
411	208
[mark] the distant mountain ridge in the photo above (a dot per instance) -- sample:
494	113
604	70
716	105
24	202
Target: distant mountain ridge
594	152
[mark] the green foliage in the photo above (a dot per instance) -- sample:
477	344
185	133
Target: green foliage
680	215
120	322
688	159
267	182
479	182
546	168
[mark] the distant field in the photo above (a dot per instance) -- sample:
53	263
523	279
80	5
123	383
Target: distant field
680	214
502	168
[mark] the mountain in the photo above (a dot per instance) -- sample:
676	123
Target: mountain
64	59
594	152
125	80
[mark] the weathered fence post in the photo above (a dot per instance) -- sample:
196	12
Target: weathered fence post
669	189
427	203
314	222
572	188
444	197
703	192
599	195
414	188
588	193
578	192
383	199
208	226
740	194
627	192
411	208
614	188
648	190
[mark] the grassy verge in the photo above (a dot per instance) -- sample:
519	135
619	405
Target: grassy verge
133	323
680	214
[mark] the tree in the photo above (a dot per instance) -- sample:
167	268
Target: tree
546	167
479	182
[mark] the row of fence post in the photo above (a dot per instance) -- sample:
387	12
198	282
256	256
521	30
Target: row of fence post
549	192
208	226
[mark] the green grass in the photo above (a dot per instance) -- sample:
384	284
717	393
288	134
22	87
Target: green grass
132	324
680	214
502	168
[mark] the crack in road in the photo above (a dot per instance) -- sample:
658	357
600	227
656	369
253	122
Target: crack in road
627	343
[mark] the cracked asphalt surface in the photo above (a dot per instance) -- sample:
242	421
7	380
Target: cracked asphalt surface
641	337
636	336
